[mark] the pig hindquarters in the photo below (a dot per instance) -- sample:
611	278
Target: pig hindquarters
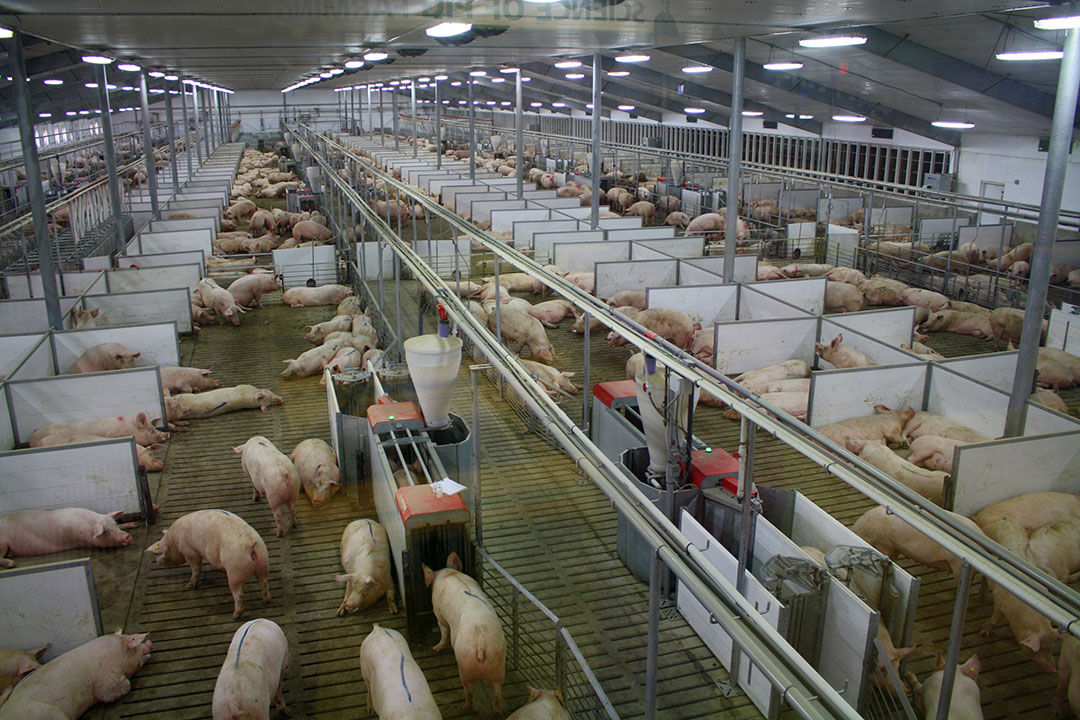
272	476
542	705
397	689
365	556
252	672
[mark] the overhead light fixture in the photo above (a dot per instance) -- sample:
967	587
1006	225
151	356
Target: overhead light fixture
174	92
325	75
526	79
53	81
157	91
353	64
6	33
752	113
462	102
536	104
96	59
128	67
423	79
156	74
542	2
589	106
448	29
506	103
375	56
693	110
478	73
618	73
1031	55
498	80
91	85
440	78
574	76
783	66
627	108
509	70
568	64
97	111
489	102
832	41
69	113
445	102
806	117
632	58
953	125
456	83
333	71
110	87
44	115
849	118
695	69
406	81
1059	23
84	112
172	78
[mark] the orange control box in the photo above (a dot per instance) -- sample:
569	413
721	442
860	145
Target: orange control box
394	416
616	393
419	507
715	468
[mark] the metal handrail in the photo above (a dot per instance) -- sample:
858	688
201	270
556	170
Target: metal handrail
17	161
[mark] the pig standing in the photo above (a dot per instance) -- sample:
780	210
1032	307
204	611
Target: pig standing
252	672
222	539
316	464
103	357
542	705
15	665
840	355
223	303
248	290
218	402
310	297
84	318
1068	687
1006	324
521	328
71	684
397	689
467	619
674	326
272	476
891	536
966	703
25	533
365	556
186	379
643	209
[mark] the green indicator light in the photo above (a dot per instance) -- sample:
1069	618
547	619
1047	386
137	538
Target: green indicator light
391	418
708	449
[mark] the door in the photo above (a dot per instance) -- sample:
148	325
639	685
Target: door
993	191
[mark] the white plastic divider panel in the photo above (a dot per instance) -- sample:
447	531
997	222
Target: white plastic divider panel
184	257
891	216
632	275
645	233
811	526
681	247
761	191
757	305
333	409
71	398
449	191
20	287
26	356
190	204
933	229
987	236
369	265
298	265
221	197
146	306
1063	332
583	257
503	221
214	213
742	346
33	598
879	353
706	304
833	208
986	473
172	225
892	326
99	476
693	275
148	243
800	199
837	395
967	401
995	369
544	242
30	315
801	230
644	252
805	293
1065	252
756	685
1041	420
157	344
440	255
155	277
615	223
478	207
745	266
525	231
96	262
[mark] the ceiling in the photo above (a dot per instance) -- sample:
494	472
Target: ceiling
925	59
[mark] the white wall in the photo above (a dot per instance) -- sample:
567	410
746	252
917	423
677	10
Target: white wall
1016	162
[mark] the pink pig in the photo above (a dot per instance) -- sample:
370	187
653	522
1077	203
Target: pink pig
272	476
25	533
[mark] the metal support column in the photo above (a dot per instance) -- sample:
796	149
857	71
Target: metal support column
382	119
415	122
596	111
110	160
734	158
46	262
148	146
208	129
1053	185
653	647
187	128
198	125
956	634
394	124
472	135
170	134
438	131
519	146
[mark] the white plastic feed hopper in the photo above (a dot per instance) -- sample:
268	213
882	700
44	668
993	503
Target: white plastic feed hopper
651	392
433	364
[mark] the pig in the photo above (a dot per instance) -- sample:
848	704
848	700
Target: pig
350	306
339	323
966	703
229	244
932	301
1032	510
1057	368
705	223
222	539
311	362
678	219
15	665
643	209
218	402
552	376
240	209
397	688
202	316
886	425
846	275
25	533
262	221
934	452
365	557
765	271
927	483
514	282
796	270
1068	685
1006	324
1059	274
375	357
521	328
186	379
273	476
104	357
674	326
138	427
223	303
634	298
362	341
756	380
466	618
346	357
968	307
252	672
924	423
842	297
702	346
69	685
883	291
310	297
316	463
793	403
594	324
585	281
891	536
1021	268
1055	547
1050	399
82	319
542	705
146	458
551	312
362	324
248	290
840	355
1074	279
960	323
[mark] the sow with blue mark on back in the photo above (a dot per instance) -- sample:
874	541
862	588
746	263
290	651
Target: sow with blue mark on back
397	689
252	672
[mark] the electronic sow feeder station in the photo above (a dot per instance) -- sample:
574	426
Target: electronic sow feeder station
829	593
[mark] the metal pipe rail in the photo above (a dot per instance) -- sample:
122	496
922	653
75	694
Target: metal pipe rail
801	686
1059	603
1069	220
14	162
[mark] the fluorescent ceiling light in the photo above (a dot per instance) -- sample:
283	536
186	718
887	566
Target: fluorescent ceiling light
128	88
489	102
589	106
541	2
157	91
618	73
69	113
156	74
568	64
1031	55
694	69
353	64
5	33
1059	23
110	87
440	78
574	76
456	83
509	70
445	102
833	41
783	66
448	29
505	103
849	118
632	58
498	80
627	108
478	73
953	125
526	79
84	112
128	67
53	81
806	117
90	85
325	75
333	71
536	104
406	81
172	78
423	79
97	111
44	115
693	110
375	56
461	102
558	104
752	113
174	92
96	59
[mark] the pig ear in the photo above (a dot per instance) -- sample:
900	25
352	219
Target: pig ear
940	660
95	311
533	693
368	580
41	650
569	374
206	373
837	340
99	530
1031	641
453	560
972	667
116	515
141	419
26	665
238	449
136	355
902	653
818	347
